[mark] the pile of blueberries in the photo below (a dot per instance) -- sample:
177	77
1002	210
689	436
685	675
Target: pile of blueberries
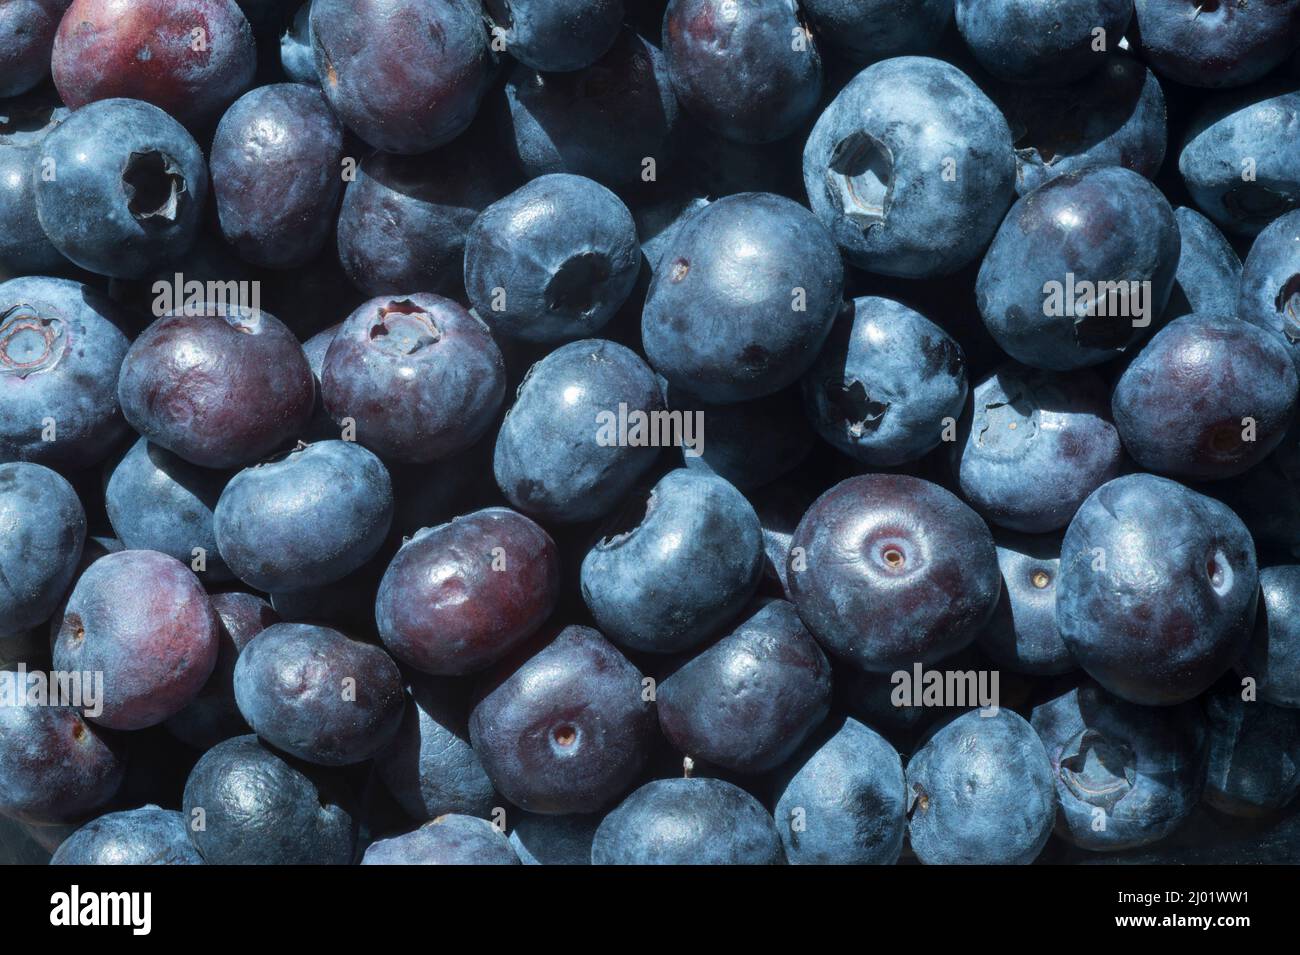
649	431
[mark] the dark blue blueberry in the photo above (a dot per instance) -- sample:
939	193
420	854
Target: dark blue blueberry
1022	636
120	186
688	822
27	29
555	36
305	520
448	840
685	569
258	808
568	729
58	767
44	532
1218	42
1125	775
911	167
749	701
980	793
1254	754
845	802
1033	445
1273	658
557	457
24	248
868	30
1209	270
554	840
1158	587
145	836
766	263
296	57
887	384
1026	41
1270	284
890	570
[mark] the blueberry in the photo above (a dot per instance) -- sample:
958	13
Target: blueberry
145	836
1054	43
553	260
220	386
1209	271
687	568
749	701
864	31
27	30
844	802
448	840
1273	658
1208	397
24	247
1034	445
296	57
889	570
1023	636
120	186
874	168
141	619
420	377
461	596
258	808
768	265
58	767
554	840
61	348
1125	775
688	822
887	384
305	520
44	532
276	174
555	36
980	793
1157	592
1254	754
568	729
550	459
1220	43
1270	284
404	75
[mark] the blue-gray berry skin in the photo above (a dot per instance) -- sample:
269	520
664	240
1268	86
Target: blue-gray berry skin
688	822
1254	753
874	165
1158	588
59	768
45	530
296	58
864	31
1209	270
1219	46
1273	657
448	840
1125	775
1023	636
845	803
554	840
145	836
1269	294
980	792
687	569
27	33
24	247
1055	43
555	36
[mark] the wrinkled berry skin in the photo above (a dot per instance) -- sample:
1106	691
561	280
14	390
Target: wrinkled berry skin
450	839
1254	752
555	36
739	68
1157	592
566	731
1209	270
554	840
261	809
145	50
144	836
223	388
749	701
864	31
61	348
306	520
459	597
44	532
1183	405
854	804
769	265
1236	129
159	501
884	383
58	767
404	219
296	56
871	168
27	29
129	188
1053	42
549	462
1023	636
1033	445
554	260
1273	658
404	75
142	619
896	571
1142	769
291	686
276	174
685	570
1098	225
688	822
980	792
1270	284
421	377
214	716
430	767
601	122
1223	44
